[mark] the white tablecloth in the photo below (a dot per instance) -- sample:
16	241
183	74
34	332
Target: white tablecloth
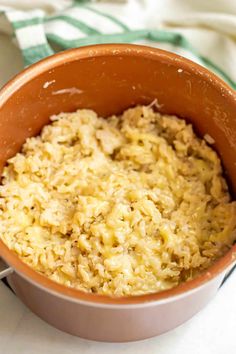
212	331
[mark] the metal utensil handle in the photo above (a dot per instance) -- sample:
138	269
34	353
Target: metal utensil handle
228	274
5	270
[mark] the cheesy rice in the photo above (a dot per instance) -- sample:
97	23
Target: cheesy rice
128	205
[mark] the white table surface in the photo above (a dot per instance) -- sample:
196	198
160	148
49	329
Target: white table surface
212	331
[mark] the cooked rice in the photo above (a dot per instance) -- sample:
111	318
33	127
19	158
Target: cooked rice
120	206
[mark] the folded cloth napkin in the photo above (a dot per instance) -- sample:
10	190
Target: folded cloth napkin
204	31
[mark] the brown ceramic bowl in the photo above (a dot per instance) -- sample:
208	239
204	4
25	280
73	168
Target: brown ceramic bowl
109	79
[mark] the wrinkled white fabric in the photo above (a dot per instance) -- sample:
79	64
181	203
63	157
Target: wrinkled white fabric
210	26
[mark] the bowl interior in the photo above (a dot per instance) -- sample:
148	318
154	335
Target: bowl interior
111	78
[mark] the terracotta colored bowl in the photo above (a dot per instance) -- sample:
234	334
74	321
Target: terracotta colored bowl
109	79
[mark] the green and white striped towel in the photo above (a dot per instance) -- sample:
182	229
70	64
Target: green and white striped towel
203	31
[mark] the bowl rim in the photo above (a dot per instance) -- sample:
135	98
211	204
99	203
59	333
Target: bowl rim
49	63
